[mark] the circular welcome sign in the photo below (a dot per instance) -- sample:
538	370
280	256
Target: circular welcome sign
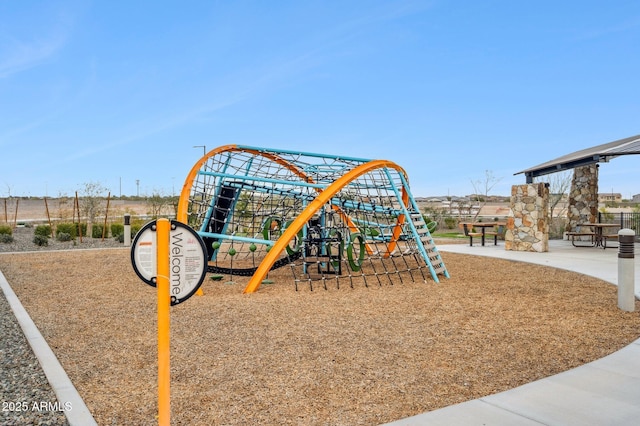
187	259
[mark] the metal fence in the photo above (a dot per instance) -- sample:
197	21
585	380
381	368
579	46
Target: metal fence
626	220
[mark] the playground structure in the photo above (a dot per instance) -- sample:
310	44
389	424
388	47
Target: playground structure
329	218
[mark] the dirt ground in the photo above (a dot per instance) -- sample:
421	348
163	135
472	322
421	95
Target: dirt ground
348	356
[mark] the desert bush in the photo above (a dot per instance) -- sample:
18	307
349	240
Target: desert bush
64	236
96	231
41	240
135	227
450	222
6	238
6	230
117	229
66	228
43	230
81	227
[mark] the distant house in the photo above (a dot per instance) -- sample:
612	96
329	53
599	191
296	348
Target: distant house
636	198
609	197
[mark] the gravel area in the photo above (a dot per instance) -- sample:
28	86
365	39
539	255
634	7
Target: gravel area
348	356
25	394
23	241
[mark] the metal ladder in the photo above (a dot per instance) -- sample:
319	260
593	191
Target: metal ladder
426	240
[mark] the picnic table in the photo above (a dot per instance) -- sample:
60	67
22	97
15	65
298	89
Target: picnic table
598	238
470	230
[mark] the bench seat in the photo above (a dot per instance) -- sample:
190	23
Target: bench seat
592	240
606	238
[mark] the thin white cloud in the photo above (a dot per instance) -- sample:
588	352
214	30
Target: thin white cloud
8	135
152	127
312	53
51	112
32	38
18	55
269	76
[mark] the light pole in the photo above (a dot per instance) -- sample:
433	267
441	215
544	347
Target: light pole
204	149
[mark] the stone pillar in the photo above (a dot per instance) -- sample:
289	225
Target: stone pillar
583	196
528	220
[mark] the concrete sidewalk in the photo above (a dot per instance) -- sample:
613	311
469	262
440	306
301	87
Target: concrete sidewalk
603	392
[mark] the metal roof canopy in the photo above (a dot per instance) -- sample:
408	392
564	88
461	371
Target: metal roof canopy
597	154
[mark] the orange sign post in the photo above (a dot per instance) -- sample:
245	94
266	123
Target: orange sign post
164	323
170	256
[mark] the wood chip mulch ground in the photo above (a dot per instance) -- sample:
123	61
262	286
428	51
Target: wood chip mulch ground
353	356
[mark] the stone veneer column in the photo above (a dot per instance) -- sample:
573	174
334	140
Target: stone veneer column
583	196
528	220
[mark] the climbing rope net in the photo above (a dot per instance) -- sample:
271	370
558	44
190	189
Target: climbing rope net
330	219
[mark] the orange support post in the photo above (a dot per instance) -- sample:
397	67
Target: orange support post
164	304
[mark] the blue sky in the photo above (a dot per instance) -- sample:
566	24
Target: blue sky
116	92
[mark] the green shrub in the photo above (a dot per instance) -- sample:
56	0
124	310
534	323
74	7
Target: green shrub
96	231
81	227
135	227
117	229
6	238
66	228
41	240
450	222
120	238
64	236
43	230
6	230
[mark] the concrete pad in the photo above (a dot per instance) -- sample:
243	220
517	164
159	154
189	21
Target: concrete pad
606	391
476	412
625	361
561	400
595	262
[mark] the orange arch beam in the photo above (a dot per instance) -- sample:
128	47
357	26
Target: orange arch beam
291	231
183	202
